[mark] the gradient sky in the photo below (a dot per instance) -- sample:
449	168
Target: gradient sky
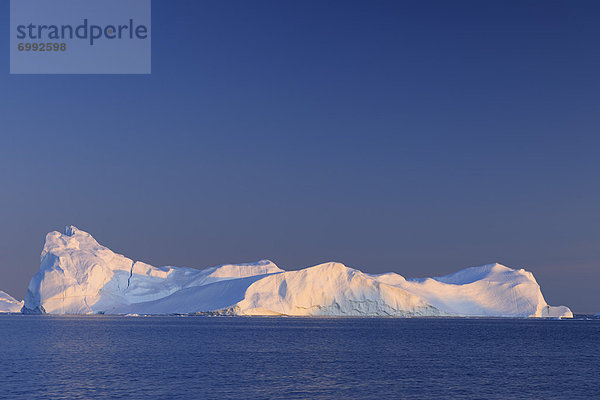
412	136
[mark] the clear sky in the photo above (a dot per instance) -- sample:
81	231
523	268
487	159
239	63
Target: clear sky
412	136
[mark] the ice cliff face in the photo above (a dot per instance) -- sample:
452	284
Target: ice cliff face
331	289
8	304
78	275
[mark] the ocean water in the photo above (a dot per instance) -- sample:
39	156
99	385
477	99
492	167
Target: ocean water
104	357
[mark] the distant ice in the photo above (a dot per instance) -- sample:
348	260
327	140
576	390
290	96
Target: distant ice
8	304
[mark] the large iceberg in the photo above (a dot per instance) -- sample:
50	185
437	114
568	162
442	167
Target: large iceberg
8	304
79	276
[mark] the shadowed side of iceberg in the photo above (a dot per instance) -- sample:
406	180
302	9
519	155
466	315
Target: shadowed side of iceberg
206	298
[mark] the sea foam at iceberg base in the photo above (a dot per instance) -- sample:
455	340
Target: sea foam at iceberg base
79	276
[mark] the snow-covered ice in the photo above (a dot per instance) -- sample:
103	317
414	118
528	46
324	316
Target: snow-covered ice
79	276
8	304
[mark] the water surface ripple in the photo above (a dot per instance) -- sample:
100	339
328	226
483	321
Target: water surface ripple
104	357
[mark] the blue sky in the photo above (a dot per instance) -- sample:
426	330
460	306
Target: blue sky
416	137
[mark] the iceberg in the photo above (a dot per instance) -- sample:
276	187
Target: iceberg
79	276
8	304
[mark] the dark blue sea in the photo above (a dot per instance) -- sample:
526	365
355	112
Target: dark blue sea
103	357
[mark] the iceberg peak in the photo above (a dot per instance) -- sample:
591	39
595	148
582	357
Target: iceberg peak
71	230
331	267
